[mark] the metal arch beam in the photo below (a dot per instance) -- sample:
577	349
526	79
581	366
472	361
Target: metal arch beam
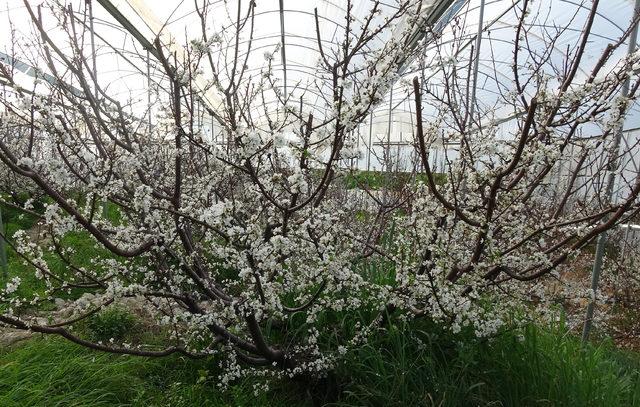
34	72
127	25
283	54
211	98
441	13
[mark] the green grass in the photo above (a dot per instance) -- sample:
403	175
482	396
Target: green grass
416	364
85	249
424	365
54	372
15	220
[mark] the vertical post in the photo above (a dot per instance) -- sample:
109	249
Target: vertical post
610	181
389	130
398	169
3	250
149	90
95	76
352	159
625	240
369	145
283	54
214	137
387	156
198	122
93	48
358	148
472	100
476	61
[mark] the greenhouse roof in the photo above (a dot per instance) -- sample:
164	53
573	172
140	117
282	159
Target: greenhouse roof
284	34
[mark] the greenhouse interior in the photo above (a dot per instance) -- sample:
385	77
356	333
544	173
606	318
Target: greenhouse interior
319	202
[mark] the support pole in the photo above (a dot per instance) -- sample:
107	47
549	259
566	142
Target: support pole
149	90
93	49
472	100
105	208
389	168
358	148
369	147
387	157
476	61
610	181
283	54
3	250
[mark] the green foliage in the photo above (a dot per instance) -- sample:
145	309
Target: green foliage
15	219
113	322
107	209
422	364
112	212
377	179
85	250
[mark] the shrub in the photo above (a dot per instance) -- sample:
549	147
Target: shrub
242	241
112	323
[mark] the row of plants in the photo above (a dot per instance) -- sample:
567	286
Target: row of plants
412	364
418	362
376	180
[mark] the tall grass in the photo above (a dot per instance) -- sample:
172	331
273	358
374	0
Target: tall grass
54	372
421	364
409	364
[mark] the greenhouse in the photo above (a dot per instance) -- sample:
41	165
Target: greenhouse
319	202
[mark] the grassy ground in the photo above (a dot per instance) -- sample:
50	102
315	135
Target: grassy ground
53	372
408	365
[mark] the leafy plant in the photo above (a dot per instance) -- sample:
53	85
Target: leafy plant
112	323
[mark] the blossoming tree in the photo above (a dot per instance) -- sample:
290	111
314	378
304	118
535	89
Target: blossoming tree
251	248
